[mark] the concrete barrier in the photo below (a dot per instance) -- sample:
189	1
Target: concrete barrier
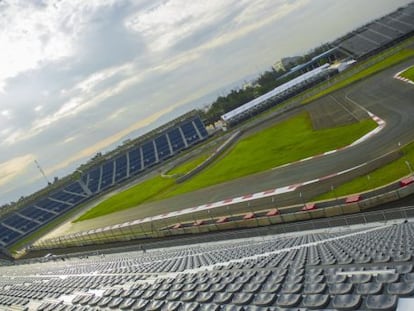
289	214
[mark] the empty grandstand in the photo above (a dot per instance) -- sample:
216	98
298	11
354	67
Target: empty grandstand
278	94
379	34
361	267
116	168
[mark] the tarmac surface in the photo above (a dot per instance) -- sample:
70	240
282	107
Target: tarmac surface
390	99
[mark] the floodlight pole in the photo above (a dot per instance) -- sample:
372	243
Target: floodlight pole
409	166
302	199
407	162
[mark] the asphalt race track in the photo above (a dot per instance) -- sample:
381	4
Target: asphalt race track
388	98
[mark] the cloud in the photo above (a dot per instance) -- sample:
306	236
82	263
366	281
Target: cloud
99	86
11	169
33	35
173	21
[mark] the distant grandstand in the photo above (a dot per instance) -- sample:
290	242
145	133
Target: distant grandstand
117	167
379	34
278	94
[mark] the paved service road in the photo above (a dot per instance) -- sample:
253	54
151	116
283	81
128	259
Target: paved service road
390	99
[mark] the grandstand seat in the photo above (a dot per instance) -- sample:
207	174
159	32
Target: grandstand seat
223	298
346	302
288	300
205	297
248	274
402	289
381	302
316	301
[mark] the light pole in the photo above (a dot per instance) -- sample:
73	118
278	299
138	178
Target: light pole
409	167
302	199
407	162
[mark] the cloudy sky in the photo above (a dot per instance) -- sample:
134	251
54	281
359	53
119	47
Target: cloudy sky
78	77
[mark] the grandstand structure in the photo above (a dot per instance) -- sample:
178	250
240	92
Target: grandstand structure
278	94
117	168
366	266
379	34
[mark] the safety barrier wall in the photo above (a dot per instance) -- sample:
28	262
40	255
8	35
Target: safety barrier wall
154	230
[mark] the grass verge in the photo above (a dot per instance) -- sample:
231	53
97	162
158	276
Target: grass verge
129	198
377	178
188	166
408	74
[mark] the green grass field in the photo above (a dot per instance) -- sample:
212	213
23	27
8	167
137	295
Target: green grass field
377	178
129	198
409	74
291	140
188	166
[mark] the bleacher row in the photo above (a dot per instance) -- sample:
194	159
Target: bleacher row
381	32
102	177
369	268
